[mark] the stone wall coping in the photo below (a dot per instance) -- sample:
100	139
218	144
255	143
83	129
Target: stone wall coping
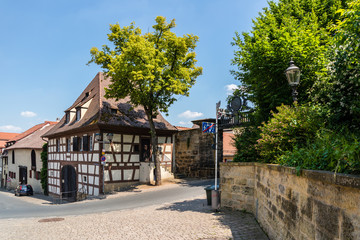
346	180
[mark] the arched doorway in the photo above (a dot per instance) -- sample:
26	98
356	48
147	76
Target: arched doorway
68	183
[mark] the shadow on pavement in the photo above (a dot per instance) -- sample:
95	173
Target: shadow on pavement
242	225
192	182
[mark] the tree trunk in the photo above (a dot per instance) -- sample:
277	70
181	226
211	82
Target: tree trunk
154	144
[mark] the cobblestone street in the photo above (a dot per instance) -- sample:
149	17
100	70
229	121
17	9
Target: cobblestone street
191	219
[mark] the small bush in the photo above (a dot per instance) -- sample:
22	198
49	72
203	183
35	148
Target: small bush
289	127
245	141
331	151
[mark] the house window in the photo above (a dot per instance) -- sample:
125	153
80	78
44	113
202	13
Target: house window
136	148
67	117
37	175
33	160
78	114
57	145
75	144
80	147
86	143
90	143
13	156
68	145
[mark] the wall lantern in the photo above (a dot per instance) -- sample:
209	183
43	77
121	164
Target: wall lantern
110	136
98	137
293	77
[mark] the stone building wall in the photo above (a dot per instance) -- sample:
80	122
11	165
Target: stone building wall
194	154
313	205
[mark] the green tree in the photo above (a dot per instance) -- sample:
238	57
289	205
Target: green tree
340	92
44	169
287	28
150	68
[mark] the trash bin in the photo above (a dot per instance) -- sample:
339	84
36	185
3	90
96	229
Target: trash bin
208	193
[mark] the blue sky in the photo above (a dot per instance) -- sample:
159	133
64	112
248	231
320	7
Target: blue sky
45	45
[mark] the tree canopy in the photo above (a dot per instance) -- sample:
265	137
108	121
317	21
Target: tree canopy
297	29
150	68
340	90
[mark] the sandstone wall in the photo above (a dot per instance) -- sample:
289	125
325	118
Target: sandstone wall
194	154
314	205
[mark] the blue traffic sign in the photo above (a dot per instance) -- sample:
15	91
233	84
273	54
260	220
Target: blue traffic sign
208	127
103	158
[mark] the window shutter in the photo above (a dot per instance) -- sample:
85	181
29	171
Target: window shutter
86	143
75	144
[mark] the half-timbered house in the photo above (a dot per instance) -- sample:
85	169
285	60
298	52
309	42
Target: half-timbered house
102	144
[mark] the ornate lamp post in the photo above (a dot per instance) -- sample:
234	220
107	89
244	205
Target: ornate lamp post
293	77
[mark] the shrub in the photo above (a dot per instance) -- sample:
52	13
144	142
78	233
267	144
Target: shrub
331	151
245	141
289	127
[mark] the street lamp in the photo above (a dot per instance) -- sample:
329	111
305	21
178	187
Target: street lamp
293	77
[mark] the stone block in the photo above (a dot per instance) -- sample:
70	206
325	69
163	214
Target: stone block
251	182
290	209
347	227
307	228
306	207
327	218
241	181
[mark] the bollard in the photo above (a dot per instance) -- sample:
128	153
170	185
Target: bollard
215	199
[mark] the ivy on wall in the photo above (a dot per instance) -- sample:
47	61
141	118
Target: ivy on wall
44	169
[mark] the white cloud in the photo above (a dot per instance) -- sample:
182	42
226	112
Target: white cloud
182	123
230	88
189	114
28	114
10	128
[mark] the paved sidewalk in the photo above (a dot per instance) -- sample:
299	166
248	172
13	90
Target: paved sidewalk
190	219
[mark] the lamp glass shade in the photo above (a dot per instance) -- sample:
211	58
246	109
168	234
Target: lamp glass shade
293	74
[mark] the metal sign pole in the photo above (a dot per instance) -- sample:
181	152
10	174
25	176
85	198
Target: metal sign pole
215	193
216	142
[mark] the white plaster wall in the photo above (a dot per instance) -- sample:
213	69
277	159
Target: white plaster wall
116	175
23	158
117	147
147	173
96	191
109	158
135	158
106	175
127	138
128	174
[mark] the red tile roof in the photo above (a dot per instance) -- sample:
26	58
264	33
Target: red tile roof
2	145
33	140
30	131
5	136
182	128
